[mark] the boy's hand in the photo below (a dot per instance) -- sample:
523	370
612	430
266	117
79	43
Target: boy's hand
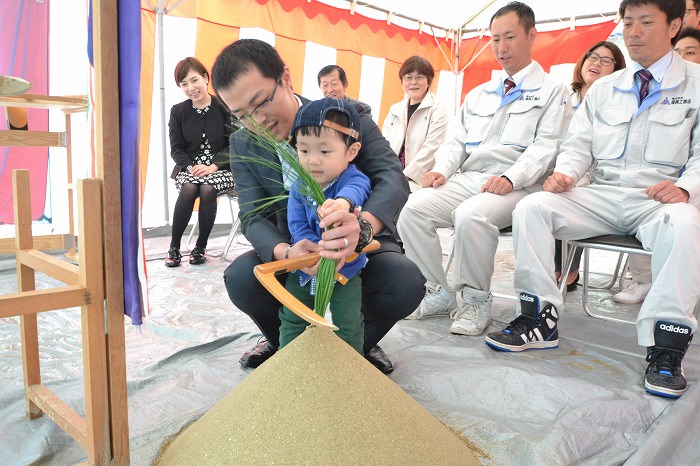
333	205
310	271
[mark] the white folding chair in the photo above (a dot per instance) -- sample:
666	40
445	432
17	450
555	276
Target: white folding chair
232	197
621	244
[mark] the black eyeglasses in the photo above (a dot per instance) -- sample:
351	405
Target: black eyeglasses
688	10
243	116
594	57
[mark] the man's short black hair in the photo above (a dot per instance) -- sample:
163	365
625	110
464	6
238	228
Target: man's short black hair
526	16
687	32
242	55
673	8
326	70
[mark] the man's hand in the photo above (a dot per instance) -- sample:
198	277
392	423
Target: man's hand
667	192
497	185
304	246
341	240
432	180
558	183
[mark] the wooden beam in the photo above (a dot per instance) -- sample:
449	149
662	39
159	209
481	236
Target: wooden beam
76	102
42	243
106	64
60	412
15	137
52	266
26	303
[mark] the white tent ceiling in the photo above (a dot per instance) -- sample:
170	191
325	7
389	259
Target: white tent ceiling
453	14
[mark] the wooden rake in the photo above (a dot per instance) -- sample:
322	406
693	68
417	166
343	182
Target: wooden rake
265	273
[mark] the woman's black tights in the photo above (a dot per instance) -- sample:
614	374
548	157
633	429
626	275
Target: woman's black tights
183	212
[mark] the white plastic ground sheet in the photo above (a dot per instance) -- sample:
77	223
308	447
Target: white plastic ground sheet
582	403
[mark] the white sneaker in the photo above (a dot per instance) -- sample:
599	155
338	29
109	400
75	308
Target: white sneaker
633	293
438	301
472	318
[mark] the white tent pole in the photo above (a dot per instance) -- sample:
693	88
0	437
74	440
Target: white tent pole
457	40
160	11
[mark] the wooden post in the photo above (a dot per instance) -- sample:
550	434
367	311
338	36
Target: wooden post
105	34
93	323
25	279
69	172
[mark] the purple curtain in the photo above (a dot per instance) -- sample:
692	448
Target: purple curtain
129	77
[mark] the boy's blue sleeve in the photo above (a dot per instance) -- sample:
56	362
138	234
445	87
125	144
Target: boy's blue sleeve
298	220
354	186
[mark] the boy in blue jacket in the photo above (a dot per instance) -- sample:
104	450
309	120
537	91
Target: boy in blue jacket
327	138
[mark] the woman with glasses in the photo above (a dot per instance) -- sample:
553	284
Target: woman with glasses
602	59
199	132
416	126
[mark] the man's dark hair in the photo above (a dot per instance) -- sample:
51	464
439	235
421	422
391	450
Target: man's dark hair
419	65
326	70
696	4
691	32
673	8
242	55
526	16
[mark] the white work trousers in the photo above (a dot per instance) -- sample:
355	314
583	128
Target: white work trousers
476	217
670	231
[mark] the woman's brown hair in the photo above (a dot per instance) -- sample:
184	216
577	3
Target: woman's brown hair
619	58
186	65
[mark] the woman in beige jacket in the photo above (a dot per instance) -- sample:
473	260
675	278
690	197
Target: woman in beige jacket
416	126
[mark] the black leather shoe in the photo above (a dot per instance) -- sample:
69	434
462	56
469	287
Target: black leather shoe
379	359
257	355
173	258
198	256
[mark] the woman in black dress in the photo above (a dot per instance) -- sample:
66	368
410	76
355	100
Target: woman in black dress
199	132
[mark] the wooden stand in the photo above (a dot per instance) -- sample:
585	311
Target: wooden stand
85	287
68	105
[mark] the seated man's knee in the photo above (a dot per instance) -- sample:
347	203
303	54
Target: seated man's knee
392	282
684	218
531	204
240	280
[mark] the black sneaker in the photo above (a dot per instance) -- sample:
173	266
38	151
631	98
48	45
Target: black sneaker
198	256
174	258
664	375
535	329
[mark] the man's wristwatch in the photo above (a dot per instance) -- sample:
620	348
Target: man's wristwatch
365	234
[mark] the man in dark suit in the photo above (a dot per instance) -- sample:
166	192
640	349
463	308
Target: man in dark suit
252	80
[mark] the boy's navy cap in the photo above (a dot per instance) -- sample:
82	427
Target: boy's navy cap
314	114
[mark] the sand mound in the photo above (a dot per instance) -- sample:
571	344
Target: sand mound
317	401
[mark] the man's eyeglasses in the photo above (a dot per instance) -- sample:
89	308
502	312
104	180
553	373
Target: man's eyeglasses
688	10
411	77
243	116
594	57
